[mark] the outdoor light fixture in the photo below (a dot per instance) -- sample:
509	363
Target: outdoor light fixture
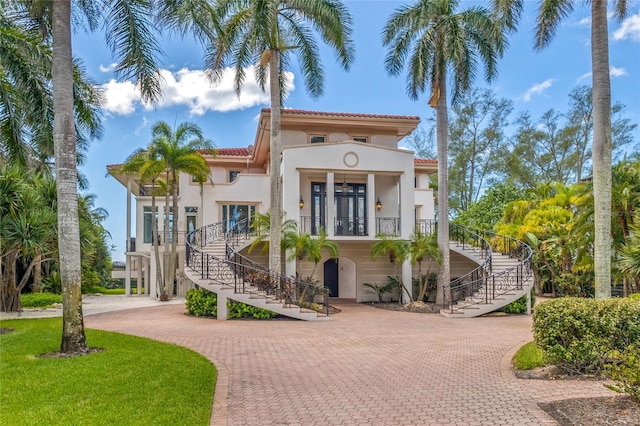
378	204
301	203
345	186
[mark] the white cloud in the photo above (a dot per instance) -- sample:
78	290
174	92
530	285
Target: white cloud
142	125
108	68
537	89
617	72
613	72
191	88
630	28
120	98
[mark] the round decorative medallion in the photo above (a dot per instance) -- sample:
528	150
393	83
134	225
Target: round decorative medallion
350	159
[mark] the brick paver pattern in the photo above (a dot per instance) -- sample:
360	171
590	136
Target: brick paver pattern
366	367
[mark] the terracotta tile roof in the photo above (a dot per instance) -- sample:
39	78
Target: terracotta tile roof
344	114
424	161
231	152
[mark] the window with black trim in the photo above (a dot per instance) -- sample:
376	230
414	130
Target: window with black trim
233	175
317	138
362	139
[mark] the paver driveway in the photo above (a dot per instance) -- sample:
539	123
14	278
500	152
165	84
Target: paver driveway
366	367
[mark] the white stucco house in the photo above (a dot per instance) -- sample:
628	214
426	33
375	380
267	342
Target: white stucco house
343	172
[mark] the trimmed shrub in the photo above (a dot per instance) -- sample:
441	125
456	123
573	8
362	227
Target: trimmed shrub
40	300
625	371
241	310
578	335
201	303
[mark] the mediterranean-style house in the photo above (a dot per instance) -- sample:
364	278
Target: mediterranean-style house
341	172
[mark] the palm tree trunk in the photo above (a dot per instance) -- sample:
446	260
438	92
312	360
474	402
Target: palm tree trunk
154	238
64	138
8	287
275	233
174	237
442	135
37	275
165	236
601	148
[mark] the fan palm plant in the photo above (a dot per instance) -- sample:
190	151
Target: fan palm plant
397	250
424	245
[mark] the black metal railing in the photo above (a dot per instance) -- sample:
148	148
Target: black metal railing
311	225
481	285
388	226
426	226
350	226
245	275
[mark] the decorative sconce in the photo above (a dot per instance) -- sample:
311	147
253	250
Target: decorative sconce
345	186
301	203
378	204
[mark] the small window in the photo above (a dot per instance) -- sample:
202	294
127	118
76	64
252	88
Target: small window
233	175
317	138
362	139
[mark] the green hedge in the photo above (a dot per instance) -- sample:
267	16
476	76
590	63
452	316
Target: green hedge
578	335
203	303
40	300
520	306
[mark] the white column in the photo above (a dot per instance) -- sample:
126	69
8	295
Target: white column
147	275
223	312
406	279
371	204
139	262
127	278
153	285
329	219
406	199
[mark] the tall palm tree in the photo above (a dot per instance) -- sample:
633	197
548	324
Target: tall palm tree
433	38
264	33
149	169
550	14
130	30
178	151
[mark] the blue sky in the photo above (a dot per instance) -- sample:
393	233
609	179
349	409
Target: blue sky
534	81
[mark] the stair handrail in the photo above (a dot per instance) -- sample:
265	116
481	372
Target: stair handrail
481	283
247	276
289	289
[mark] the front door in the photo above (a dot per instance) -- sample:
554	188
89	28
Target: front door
331	277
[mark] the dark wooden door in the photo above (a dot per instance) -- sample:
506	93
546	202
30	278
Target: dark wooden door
331	277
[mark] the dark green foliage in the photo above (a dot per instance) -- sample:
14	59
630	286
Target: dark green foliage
203	303
241	310
625	371
488	210
520	306
40	300
578	335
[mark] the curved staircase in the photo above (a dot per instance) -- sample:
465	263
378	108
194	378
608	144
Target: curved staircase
503	276
214	263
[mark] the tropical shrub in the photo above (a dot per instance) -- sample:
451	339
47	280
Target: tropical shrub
578	335
201	303
520	306
241	310
625	371
40	300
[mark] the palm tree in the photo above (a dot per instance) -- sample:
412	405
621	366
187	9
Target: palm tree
550	14
130	29
264	33
433	38
178	151
304	246
397	250
149	169
423	245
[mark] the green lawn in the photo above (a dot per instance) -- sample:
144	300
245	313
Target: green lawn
133	381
